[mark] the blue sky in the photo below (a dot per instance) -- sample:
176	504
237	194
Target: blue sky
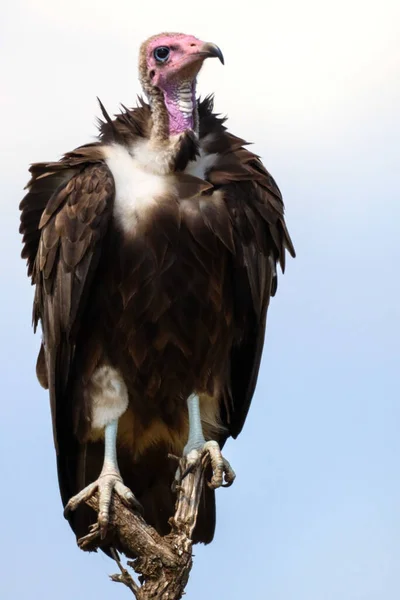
315	510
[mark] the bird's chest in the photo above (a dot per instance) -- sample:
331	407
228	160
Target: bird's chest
167	262
139	190
146	191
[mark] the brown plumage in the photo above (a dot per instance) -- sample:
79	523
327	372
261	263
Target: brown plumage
178	306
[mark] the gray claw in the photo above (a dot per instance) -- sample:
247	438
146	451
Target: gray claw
223	474
106	484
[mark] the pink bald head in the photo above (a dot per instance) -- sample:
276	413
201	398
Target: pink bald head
168	67
174	57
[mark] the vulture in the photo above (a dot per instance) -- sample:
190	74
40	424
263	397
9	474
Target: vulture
153	252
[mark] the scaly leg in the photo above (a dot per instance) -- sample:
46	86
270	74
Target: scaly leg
108	481
197	447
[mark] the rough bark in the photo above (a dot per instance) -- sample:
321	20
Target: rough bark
163	564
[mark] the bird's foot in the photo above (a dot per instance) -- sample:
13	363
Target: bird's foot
222	473
108	481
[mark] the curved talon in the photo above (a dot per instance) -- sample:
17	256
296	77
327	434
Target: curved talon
190	468
82	496
106	484
223	474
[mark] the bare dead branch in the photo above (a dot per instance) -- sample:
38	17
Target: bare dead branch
163	563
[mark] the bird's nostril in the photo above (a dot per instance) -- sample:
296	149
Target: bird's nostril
192	45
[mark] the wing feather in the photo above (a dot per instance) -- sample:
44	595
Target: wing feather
255	209
64	218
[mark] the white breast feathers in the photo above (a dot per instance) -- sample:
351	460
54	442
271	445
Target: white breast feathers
142	179
137	186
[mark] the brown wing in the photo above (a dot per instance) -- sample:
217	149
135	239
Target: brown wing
261	240
64	218
256	212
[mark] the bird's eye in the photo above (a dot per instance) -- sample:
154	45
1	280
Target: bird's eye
161	53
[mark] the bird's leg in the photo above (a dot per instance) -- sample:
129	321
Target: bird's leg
197	448
196	439
108	481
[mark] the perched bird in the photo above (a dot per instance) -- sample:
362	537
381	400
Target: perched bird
153	252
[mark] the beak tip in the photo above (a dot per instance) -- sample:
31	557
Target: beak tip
215	51
218	54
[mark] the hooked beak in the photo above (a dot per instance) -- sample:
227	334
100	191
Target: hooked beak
211	50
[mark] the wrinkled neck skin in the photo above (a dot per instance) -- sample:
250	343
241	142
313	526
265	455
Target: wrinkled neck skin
174	113
180	102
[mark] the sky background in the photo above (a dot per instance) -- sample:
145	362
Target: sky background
315	510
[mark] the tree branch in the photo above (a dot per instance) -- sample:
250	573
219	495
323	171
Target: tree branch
163	563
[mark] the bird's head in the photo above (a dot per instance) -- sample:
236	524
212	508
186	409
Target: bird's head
169	59
168	66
